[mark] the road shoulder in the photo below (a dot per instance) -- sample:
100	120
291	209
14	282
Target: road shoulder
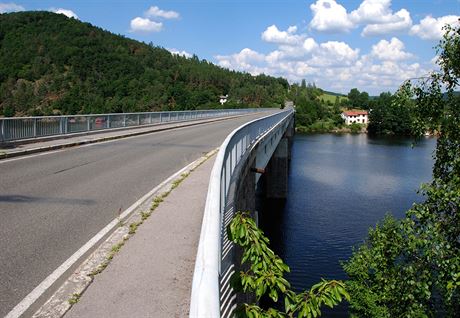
151	274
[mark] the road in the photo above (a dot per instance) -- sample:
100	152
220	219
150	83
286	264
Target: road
52	204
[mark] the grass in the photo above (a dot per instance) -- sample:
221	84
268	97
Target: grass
331	98
114	250
176	183
133	227
74	299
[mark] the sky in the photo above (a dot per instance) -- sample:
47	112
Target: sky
373	45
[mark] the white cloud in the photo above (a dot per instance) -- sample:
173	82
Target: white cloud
302	49
181	53
431	28
374	11
10	7
155	12
333	65
334	53
329	16
401	21
66	12
273	35
435	60
376	15
309	45
292	29
390	51
246	60
145	25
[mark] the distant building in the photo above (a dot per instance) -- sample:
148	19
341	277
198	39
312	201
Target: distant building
288	104
223	99
355	116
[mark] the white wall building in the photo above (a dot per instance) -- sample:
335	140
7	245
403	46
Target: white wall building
355	116
223	99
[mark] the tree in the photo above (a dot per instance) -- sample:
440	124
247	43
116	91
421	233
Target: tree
391	114
358	99
353	97
411	267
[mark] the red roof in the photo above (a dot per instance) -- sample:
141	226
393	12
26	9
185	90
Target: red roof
355	112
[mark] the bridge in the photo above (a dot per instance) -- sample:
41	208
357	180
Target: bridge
55	202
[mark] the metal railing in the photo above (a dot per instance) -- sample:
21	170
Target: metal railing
18	128
212	295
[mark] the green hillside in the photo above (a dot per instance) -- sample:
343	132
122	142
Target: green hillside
51	64
328	97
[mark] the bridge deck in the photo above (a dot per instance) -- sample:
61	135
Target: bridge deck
54	203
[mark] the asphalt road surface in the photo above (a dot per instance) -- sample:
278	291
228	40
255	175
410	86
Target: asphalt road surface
52	204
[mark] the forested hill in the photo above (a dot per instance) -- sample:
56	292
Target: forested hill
51	64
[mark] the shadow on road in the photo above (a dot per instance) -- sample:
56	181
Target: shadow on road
30	199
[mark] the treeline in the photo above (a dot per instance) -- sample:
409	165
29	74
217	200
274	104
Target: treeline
51	64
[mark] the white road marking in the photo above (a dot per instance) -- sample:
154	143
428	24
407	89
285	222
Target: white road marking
30	156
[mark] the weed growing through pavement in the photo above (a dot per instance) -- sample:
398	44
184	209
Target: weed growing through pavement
133	227
75	298
144	215
114	250
176	183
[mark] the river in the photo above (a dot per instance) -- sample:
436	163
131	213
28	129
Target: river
339	186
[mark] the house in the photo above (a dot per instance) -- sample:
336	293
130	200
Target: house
223	99
355	116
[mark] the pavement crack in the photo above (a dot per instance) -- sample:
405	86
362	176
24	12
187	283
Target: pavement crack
73	167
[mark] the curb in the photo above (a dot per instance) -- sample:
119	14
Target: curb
80	279
25	152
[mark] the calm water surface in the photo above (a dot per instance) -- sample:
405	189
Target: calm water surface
339	186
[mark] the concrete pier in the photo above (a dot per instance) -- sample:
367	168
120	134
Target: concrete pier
276	173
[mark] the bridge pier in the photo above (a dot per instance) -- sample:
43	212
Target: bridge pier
276	173
276	176
245	199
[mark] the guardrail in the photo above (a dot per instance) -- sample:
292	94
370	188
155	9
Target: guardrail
17	128
212	295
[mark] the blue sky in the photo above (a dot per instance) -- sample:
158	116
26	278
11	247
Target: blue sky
373	45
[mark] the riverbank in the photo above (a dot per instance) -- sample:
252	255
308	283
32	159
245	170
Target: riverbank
322	127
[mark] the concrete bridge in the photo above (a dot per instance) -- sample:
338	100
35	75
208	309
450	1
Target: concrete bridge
259	147
54	203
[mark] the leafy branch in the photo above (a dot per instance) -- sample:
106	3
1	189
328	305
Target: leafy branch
265	275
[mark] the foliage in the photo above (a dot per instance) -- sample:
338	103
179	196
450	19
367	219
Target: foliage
51	64
382	281
355	128
314	112
264	275
411	267
357	99
391	114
